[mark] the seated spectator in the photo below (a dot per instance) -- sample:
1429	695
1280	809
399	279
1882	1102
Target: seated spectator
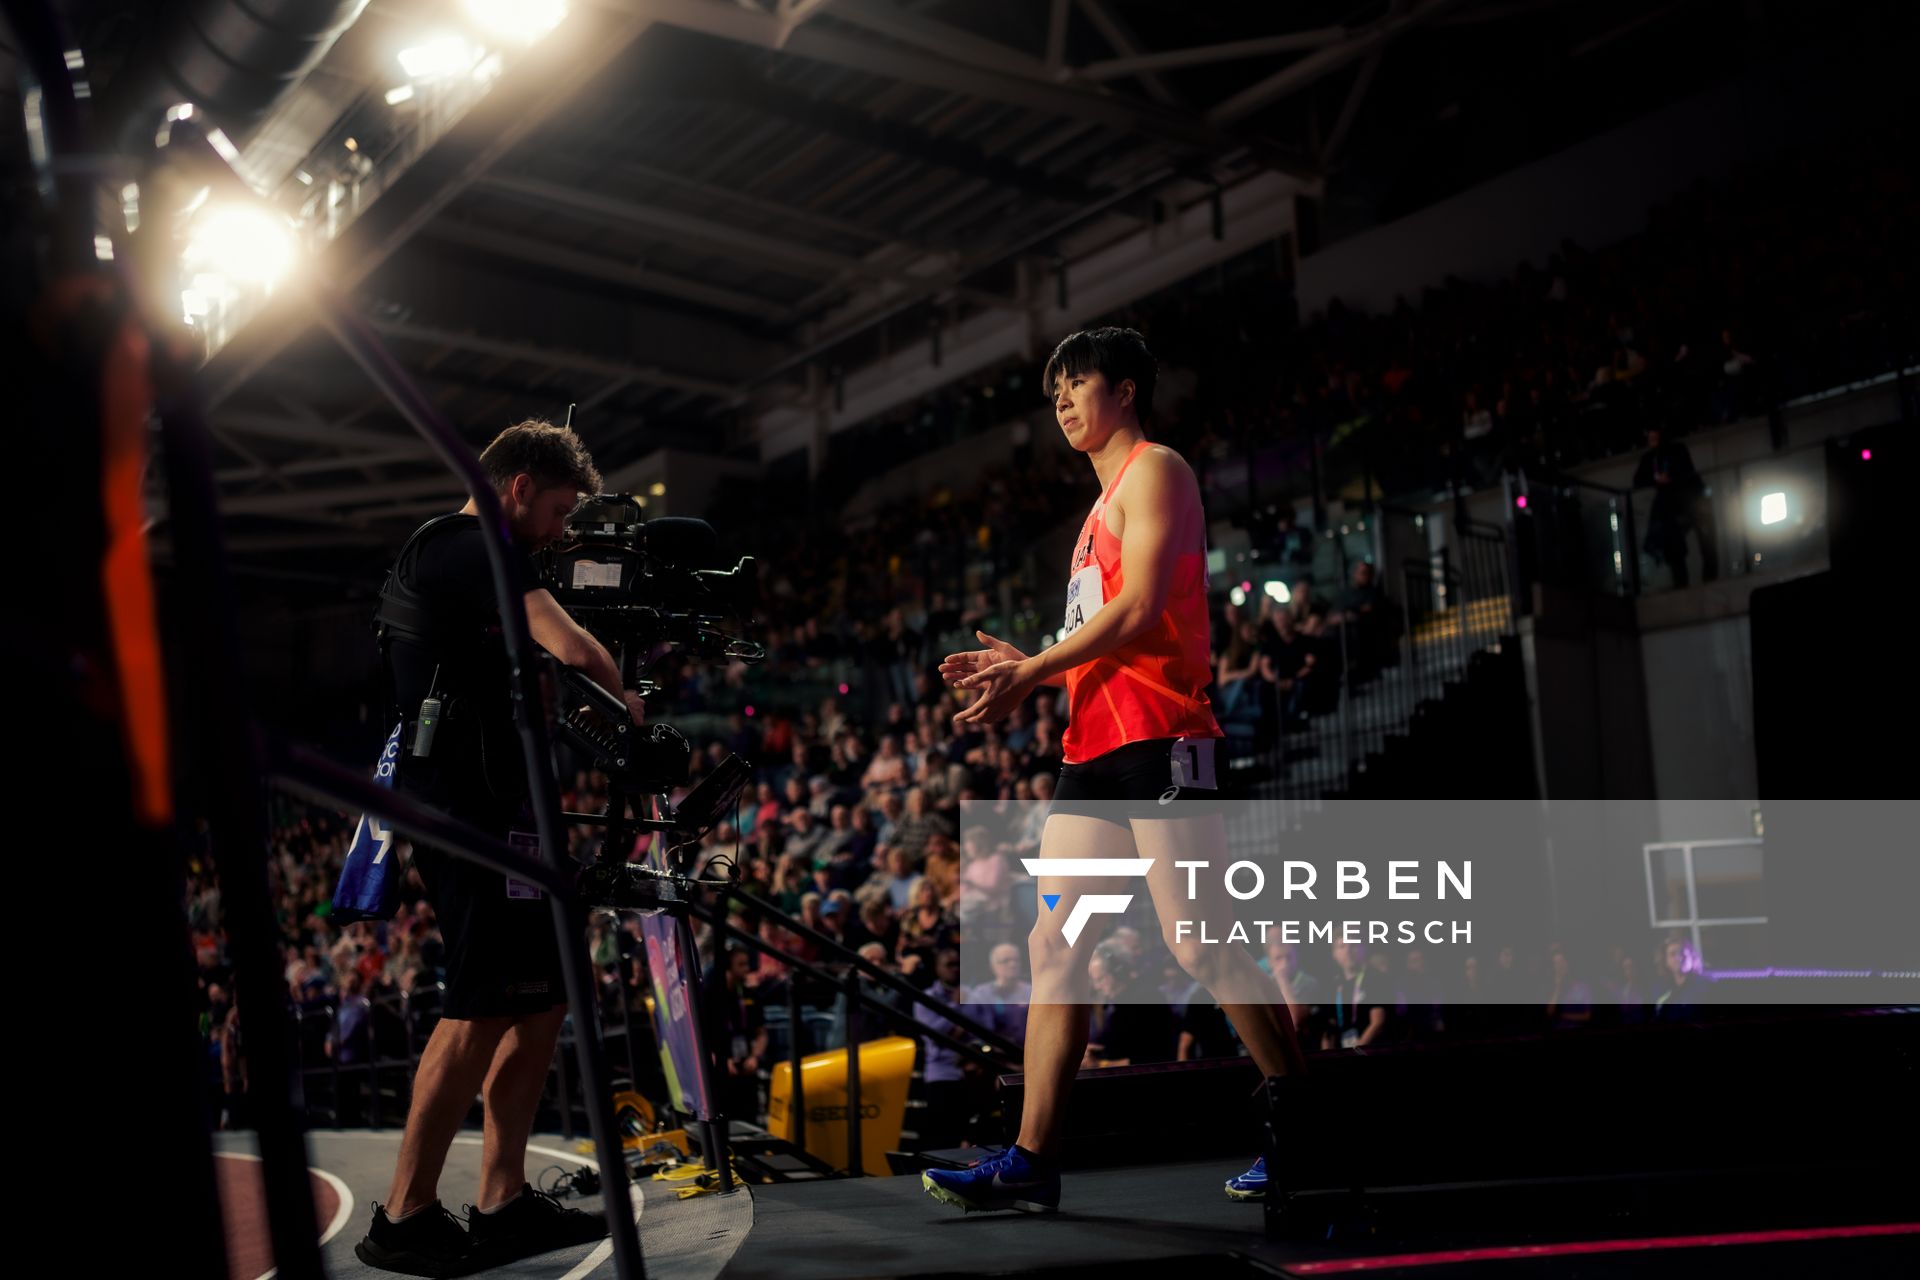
789	883
926	929
893	879
939	781
768	970
861	844
888	768
1569	1000
1625	994
1286	661
986	885
919	825
1238	672
1685	989
881	925
819	797
804	839
942	868
1001	1005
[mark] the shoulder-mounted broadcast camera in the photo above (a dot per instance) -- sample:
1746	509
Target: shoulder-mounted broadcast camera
647	589
631	580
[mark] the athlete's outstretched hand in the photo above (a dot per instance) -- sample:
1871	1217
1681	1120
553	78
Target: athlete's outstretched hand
1002	687
958	666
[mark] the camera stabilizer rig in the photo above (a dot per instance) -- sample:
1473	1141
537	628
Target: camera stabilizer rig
630	581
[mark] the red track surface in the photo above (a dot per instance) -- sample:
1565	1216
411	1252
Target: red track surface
243	1213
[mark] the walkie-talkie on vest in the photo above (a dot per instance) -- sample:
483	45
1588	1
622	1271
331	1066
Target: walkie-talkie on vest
429	720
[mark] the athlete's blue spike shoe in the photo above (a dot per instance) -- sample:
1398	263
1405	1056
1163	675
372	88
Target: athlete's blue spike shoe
1251	1185
1006	1181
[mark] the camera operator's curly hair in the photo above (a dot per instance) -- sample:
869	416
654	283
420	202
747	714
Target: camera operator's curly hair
553	456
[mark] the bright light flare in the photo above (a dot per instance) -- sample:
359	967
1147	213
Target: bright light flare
439	58
517	21
241	242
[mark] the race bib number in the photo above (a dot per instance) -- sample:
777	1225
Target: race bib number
1193	764
1085	596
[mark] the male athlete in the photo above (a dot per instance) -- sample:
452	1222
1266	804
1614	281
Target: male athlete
1138	779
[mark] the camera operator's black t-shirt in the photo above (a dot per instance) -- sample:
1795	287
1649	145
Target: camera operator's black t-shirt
476	767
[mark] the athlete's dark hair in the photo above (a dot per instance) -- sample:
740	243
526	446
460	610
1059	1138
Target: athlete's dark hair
1117	354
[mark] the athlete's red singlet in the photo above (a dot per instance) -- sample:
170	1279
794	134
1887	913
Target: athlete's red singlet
1154	686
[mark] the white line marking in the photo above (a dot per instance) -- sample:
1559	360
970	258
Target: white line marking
604	1250
601	1252
340	1215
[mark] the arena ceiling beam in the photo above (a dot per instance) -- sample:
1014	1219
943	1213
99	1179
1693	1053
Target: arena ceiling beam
1207	55
312	430
1121	40
1324	62
359	495
603	269
555	358
317	466
953	43
772	252
534	89
1036	92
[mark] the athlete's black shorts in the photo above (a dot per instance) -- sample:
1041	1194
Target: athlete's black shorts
1152	778
501	958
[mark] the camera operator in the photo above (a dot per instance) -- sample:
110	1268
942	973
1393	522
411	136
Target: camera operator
505	999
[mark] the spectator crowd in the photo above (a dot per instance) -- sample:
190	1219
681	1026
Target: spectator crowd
1733	297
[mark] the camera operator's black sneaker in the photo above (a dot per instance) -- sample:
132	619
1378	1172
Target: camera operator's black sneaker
428	1243
532	1222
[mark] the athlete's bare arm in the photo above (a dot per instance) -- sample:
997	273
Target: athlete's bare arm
1158	504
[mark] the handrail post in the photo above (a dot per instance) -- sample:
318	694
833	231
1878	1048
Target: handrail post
797	1089
1630	554
1516	588
855	1166
334	1012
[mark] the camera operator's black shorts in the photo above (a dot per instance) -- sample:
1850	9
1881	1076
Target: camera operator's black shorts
501	957
1152	778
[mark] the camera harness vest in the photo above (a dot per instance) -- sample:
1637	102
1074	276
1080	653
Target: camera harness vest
406	614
